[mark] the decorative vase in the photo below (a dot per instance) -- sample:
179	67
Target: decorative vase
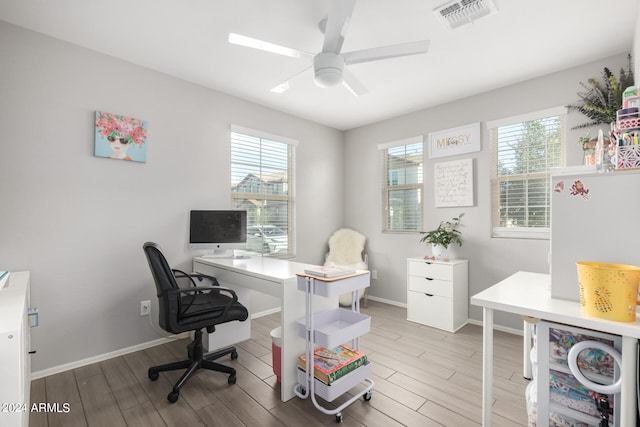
439	251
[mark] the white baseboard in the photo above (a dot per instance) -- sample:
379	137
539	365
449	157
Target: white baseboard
386	301
498	327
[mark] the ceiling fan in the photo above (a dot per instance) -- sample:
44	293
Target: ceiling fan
329	65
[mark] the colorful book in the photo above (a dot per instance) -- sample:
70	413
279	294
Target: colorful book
329	271
331	364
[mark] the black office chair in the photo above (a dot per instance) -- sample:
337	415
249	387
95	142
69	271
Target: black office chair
192	309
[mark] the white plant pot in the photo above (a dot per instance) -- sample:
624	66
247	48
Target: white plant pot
439	251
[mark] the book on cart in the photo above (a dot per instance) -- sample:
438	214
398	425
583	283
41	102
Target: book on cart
331	364
329	271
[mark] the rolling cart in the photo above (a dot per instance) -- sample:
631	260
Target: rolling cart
330	329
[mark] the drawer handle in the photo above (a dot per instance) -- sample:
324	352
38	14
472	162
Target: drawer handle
429	295
428	278
427	262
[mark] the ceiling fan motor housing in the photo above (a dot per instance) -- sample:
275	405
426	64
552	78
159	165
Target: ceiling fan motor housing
328	69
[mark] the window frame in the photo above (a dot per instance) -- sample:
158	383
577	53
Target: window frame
386	188
289	197
541	233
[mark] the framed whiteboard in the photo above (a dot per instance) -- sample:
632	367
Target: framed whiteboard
453	183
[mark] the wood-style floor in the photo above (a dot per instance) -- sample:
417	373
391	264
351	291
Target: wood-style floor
423	377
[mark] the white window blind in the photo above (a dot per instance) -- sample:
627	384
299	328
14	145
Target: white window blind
402	185
262	184
524	150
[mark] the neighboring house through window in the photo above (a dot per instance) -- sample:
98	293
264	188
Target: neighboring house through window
524	149
262	181
402	185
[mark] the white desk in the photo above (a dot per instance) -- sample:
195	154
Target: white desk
274	277
529	294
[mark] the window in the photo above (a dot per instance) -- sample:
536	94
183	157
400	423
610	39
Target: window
262	184
402	164
524	149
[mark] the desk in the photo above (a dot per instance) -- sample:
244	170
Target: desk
275	277
529	294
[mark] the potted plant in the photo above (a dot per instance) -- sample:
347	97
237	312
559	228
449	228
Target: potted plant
443	236
601	100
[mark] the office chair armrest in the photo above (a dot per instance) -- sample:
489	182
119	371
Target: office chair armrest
176	293
179	274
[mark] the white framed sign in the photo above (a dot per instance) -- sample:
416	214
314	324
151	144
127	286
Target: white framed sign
450	142
453	183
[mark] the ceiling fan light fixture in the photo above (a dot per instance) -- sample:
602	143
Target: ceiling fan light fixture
328	68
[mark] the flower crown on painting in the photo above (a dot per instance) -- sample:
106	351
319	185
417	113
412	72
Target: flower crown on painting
118	126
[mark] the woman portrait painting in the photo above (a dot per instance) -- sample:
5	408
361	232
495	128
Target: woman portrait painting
116	134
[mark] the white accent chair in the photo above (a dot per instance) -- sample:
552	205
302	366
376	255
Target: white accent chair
346	249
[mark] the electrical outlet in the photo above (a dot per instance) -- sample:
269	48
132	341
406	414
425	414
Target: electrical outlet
374	274
145	308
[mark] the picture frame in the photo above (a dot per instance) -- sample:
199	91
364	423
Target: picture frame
454	141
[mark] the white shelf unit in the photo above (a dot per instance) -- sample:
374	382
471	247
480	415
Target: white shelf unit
330	329
15	361
561	397
438	293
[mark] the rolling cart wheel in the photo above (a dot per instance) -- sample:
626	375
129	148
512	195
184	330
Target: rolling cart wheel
367	396
339	417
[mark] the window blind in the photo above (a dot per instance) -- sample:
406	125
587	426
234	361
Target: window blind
523	154
402	185
262	184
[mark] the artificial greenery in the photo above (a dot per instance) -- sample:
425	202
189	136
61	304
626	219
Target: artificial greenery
600	100
445	234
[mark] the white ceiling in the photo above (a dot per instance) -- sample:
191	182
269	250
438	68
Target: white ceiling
188	39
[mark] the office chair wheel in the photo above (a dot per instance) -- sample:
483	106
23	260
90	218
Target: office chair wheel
153	375
234	355
232	379
173	396
339	417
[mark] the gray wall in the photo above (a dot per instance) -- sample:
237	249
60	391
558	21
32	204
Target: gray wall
78	222
491	259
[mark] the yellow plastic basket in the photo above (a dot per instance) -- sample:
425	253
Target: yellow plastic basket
609	291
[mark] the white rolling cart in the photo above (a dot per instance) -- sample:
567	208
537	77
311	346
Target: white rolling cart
330	329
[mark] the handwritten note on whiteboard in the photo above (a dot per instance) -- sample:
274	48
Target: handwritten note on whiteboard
453	183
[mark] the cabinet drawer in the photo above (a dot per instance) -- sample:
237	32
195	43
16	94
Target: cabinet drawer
435	311
427	285
430	270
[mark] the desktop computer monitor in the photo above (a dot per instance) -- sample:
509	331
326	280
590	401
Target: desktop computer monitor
220	231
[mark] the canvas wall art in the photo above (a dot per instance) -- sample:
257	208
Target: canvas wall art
120	137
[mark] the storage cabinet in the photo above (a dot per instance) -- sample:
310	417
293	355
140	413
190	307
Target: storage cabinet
437	293
15	362
562	399
329	329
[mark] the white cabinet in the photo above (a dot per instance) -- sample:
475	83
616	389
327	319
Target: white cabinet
15	366
437	293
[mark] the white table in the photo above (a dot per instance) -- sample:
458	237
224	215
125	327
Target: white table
275	277
529	294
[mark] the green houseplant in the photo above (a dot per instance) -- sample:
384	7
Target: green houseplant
601	100
446	234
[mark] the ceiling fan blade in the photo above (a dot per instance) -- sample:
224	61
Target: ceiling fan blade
352	83
337	22
386	52
284	86
246	41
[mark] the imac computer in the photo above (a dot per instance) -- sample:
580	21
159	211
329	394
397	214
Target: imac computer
218	231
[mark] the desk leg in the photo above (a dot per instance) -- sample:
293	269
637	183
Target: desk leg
526	350
629	375
487	366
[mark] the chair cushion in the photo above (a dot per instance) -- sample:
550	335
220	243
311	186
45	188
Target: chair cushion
345	247
209	308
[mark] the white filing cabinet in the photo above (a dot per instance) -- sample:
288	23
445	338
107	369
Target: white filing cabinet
437	293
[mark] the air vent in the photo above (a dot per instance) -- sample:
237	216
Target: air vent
456	13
